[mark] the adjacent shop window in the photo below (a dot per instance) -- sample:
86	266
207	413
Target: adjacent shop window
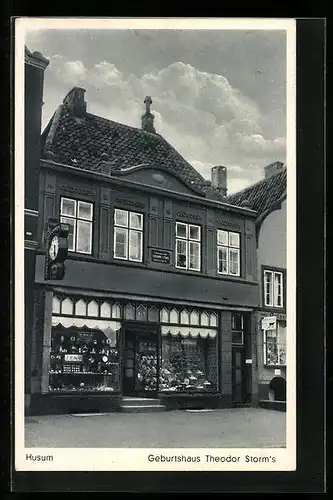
188	364
128	235
78	215
275	345
83	361
228	252
237	329
273	288
188	246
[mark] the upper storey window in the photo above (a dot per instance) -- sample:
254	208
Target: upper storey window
188	246
228	253
79	216
128	235
273	288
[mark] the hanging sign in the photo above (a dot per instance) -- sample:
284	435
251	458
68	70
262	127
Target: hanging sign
268	323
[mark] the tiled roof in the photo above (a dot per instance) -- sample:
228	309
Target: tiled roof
81	142
263	195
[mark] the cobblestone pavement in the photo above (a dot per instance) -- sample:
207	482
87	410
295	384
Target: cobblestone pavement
236	428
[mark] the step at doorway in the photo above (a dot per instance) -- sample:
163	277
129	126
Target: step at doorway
140	405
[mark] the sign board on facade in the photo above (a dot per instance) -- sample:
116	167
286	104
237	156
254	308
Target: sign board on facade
248	361
162	256
277	371
268	323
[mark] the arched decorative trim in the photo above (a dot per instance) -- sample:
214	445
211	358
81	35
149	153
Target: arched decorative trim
55	305
116	311
204	320
153	314
141	313
164	315
80	308
184	317
174	316
105	310
212	319
67	306
194	318
92	308
185	332
129	311
99	324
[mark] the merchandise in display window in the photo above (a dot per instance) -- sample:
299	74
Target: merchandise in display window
146	365
188	365
83	361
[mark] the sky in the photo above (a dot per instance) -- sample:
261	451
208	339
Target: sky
219	96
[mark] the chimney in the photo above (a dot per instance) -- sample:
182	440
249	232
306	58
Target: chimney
274	168
219	179
75	102
147	120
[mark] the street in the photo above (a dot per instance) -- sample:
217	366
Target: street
224	428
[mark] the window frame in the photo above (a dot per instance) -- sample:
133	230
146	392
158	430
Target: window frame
229	249
273	303
76	220
188	240
128	230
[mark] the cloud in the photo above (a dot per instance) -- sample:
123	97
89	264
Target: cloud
207	120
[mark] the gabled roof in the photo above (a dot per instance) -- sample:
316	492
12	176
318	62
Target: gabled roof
263	195
85	142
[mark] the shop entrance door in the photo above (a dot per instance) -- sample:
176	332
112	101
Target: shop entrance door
238	375
141	361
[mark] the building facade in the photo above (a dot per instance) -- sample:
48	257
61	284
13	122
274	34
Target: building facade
268	197
161	281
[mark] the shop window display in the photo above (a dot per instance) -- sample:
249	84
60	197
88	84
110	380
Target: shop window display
83	361
188	365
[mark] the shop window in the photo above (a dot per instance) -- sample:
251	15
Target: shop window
275	346
228	253
188	246
129	312
55	305
116	311
194	318
188	364
105	310
92	308
204	320
84	361
128	235
184	317
273	288
78	215
174	316
152	314
67	306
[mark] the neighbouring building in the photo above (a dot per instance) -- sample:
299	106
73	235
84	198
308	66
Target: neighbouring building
160	293
269	198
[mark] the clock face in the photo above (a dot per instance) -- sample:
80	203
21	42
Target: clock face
54	247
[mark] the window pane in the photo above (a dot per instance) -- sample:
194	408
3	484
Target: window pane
135	245
120	244
181	230
135	220
237	337
83	244
278	289
222	257
121	218
194	256
234	262
68	207
268	288
194	233
181	253
71	233
234	239
222	237
85	210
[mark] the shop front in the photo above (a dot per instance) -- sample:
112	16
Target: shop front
96	351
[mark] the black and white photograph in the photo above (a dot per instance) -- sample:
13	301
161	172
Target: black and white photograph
155	209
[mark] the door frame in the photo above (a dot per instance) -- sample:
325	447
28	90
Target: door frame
146	329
